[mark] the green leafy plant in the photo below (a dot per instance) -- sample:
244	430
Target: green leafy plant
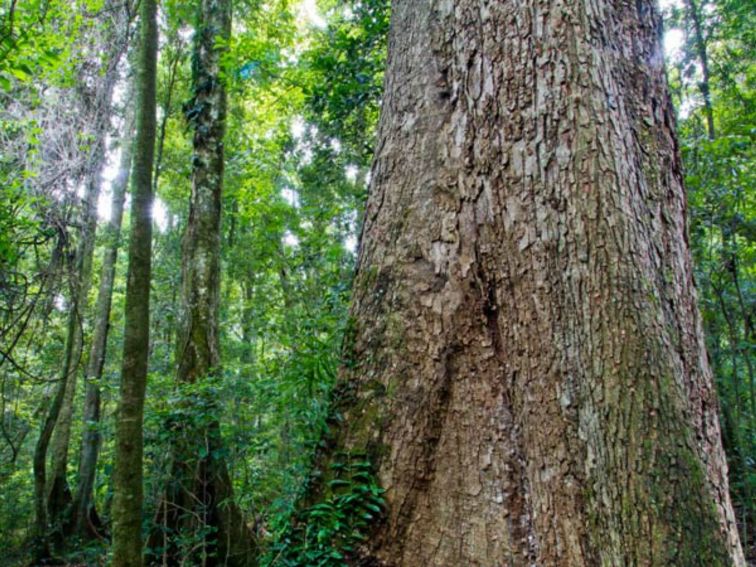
329	533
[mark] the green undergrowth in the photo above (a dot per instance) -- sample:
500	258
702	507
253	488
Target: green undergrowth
330	532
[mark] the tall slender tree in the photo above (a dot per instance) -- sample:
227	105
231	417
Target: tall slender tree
85	518
199	500
99	112
129	442
693	13
527	368
50	494
97	76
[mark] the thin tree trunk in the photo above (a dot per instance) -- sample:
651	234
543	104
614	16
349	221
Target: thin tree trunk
42	549
248	318
58	492
737	351
85	518
731	266
164	329
129	442
730	257
199	502
167	110
284	438
526	369
51	496
59	497
703	56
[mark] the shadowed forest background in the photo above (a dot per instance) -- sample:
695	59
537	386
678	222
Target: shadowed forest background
304	88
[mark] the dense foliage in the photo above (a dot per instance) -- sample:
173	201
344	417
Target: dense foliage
304	97
713	74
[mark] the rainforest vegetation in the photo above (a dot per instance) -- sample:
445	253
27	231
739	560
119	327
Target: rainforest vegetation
382	283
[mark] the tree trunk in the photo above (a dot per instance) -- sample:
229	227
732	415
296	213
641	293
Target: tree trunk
703	55
53	495
173	68
98	107
129	442
71	356
248	319
198	502
58	492
526	368
84	514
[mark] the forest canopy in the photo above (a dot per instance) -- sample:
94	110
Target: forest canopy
191	373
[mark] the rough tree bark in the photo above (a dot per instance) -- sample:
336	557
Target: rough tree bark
84	519
528	371
198	501
129	442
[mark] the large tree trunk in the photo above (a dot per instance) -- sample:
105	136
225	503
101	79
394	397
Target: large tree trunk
85	520
528	371
129	441
198	502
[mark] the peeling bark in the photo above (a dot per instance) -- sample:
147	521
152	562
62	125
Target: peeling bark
527	365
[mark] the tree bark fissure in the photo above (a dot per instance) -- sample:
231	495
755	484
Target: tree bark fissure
530	374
